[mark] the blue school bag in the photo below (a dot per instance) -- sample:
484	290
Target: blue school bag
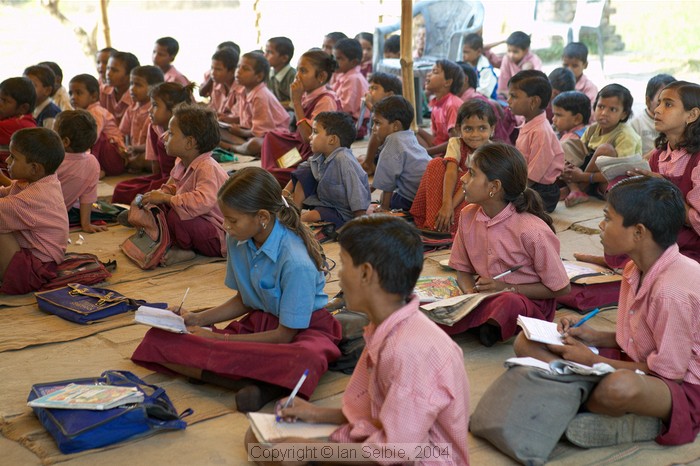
80	429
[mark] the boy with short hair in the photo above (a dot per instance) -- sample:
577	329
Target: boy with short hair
402	160
331	183
571	114
60	94
164	52
657	321
529	92
223	73
408	366
348	82
472	53
17	100
575	58
562	80
43	80
381	85
518	58
392	47
34	227
80	171
279	52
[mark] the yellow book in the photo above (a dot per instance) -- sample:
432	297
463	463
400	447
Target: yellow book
289	159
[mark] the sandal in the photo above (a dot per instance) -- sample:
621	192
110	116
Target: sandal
575	198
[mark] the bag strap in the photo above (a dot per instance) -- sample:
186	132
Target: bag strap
113	375
83	290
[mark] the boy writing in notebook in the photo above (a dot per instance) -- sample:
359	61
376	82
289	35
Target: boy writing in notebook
409	366
657	321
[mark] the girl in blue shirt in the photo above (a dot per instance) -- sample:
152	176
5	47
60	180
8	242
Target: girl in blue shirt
275	264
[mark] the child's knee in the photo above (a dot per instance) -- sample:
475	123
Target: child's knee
606	149
522	346
616	390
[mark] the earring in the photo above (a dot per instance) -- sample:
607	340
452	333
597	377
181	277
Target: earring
490	193
263	225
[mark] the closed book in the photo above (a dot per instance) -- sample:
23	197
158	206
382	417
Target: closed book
289	159
91	397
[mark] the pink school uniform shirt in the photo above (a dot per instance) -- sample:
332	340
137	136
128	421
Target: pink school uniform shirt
135	123
151	150
472	93
571	134
444	117
108	100
350	87
489	246
79	174
326	103
541	149
261	112
674	163
194	192
658	318
222	99
37	217
410	379
509	69
174	76
586	86
108	124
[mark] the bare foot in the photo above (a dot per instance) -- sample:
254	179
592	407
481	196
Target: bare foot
176	255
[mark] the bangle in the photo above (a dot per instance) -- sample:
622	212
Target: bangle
304	120
590	179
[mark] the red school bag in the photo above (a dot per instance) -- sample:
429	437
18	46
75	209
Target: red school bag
148	245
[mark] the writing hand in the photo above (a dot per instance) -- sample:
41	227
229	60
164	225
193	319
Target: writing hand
573	350
299	409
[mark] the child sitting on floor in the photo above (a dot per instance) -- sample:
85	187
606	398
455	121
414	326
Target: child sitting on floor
280	326
571	112
505	226
517	59
136	119
445	82
528	95
440	198
348	83
472	53
17	99
575	58
188	198
101	60
561	80
330	39
310	96
34	227
80	171
60	94
164	97
392	47
331	183
222	100
657	322
408	365
45	110
610	135
258	110
402	160
115	97
279	52
164	52
366	40
110	149
380	85
208	83
643	123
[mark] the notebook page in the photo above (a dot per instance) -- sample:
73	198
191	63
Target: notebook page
268	427
540	330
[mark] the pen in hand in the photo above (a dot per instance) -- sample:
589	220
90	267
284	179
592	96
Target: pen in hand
179	308
510	270
290	400
587	317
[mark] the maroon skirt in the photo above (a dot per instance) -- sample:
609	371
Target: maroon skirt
26	273
275	145
504	308
275	363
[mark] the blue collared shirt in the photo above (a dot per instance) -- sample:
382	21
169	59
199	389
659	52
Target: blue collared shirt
401	165
279	277
342	183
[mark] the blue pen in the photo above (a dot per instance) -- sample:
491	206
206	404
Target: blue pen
290	400
587	317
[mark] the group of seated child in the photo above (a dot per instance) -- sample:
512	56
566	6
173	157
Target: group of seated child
476	176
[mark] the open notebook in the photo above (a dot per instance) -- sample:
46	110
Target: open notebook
160	318
267	429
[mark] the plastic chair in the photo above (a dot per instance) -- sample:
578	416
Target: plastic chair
589	14
446	24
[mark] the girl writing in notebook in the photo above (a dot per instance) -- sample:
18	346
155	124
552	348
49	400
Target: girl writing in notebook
275	265
505	226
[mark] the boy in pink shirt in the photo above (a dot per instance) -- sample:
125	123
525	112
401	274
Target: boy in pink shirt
259	112
164	52
17	100
398	372
136	120
189	197
223	73
518	58
575	58
80	171
110	149
115	97
528	95
571	112
348	82
34	227
654	394
445	82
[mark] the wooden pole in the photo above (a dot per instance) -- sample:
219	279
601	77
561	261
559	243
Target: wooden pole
105	23
409	91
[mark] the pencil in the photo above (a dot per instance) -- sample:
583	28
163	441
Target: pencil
179	308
